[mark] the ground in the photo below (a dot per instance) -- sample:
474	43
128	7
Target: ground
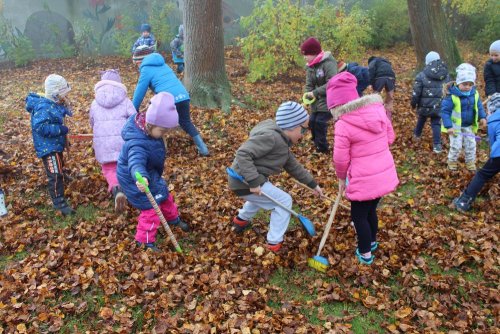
436	269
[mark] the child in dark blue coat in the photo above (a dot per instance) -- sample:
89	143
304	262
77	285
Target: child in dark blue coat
492	166
177	46
49	135
360	72
146	38
382	77
144	152
492	70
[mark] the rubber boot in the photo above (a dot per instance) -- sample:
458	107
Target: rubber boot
60	204
464	202
202	148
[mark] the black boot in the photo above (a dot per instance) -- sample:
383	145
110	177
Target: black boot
60	204
464	202
180	223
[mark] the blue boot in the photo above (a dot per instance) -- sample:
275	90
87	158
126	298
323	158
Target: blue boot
202	148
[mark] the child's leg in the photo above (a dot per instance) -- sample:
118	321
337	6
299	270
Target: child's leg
469	145
54	168
185	118
373	219
455	147
312	125
489	170
436	129
359	215
147	226
109	172
169	209
321	131
420	126
389	102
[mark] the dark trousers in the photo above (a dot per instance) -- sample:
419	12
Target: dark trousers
185	118
364	216
435	126
489	170
54	164
318	123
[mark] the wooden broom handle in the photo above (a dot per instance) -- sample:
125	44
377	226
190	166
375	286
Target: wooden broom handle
329	224
324	196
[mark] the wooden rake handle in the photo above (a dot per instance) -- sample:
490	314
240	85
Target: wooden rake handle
329	224
324	196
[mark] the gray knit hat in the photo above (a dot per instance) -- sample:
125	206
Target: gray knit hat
494	103
290	115
495	46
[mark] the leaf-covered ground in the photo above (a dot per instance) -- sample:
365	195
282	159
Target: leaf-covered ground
436	270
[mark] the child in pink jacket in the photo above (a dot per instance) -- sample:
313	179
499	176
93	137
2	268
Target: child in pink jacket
108	114
361	154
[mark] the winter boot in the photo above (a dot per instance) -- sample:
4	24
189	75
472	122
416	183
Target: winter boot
452	165
464	202
471	165
60	204
364	260
120	199
438	148
149	245
274	247
202	148
240	225
180	223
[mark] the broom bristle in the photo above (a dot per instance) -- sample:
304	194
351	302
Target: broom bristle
317	265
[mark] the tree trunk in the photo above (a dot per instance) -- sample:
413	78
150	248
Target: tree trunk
205	76
431	32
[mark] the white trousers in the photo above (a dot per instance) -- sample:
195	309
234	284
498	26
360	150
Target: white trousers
279	217
466	139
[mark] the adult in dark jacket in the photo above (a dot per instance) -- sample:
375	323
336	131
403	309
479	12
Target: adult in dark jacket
426	97
361	73
382	77
159	77
144	152
321	66
492	70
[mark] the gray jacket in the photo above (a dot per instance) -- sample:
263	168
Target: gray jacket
317	77
265	153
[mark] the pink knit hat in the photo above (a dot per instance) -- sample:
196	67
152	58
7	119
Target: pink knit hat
162	112
112	75
341	89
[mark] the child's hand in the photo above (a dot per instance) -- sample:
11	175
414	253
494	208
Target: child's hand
256	190
309	95
341	186
318	191
141	186
482	122
451	132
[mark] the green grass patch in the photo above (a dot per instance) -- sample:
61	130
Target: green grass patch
6	260
85	213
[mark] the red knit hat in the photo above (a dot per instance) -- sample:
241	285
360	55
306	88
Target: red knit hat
341	89
310	47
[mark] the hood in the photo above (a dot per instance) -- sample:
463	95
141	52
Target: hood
131	131
495	117
154	59
436	70
321	58
356	115
452	88
109	94
267	126
35	100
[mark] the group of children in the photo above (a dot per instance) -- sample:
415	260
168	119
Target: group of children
127	141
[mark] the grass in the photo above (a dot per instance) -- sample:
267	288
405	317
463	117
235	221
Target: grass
5	260
83	213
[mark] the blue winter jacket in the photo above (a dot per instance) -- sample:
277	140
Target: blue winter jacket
158	76
47	120
494	133
149	41
146	155
467	105
362	75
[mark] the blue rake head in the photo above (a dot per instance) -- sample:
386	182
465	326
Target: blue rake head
307	225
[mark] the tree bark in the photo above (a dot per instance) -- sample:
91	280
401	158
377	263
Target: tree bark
205	73
431	31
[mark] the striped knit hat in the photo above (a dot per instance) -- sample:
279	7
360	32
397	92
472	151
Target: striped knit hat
142	51
290	115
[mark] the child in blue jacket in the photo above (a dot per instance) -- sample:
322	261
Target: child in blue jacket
159	77
144	152
146	38
360	72
492	166
462	112
177	46
49	134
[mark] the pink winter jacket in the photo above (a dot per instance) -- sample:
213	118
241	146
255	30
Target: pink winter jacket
361	153
108	114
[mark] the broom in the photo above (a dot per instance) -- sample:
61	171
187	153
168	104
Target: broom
318	262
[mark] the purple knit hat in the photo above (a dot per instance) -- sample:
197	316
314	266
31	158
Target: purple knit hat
112	75
162	111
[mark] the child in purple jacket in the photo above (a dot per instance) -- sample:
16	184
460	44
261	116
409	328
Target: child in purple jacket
108	114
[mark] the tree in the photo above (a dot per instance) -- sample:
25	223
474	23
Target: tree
205	76
431	32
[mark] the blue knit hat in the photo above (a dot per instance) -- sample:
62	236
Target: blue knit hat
145	27
290	115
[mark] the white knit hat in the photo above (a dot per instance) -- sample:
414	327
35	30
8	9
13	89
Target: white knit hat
290	115
56	85
431	56
466	73
495	46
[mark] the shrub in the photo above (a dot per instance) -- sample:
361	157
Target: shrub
17	47
390	23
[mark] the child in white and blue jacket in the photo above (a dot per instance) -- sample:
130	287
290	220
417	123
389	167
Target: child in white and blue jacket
462	112
492	166
147	38
177	46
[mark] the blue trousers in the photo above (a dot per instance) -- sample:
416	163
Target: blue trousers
185	118
489	170
435	125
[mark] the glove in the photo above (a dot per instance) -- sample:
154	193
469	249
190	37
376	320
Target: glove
64	130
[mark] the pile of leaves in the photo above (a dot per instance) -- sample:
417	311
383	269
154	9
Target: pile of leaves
436	270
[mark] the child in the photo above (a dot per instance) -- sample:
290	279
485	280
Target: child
108	114
460	111
492	70
177	46
363	134
49	135
321	66
265	153
426	97
382	77
492	166
159	77
144	152
360	72
147	38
